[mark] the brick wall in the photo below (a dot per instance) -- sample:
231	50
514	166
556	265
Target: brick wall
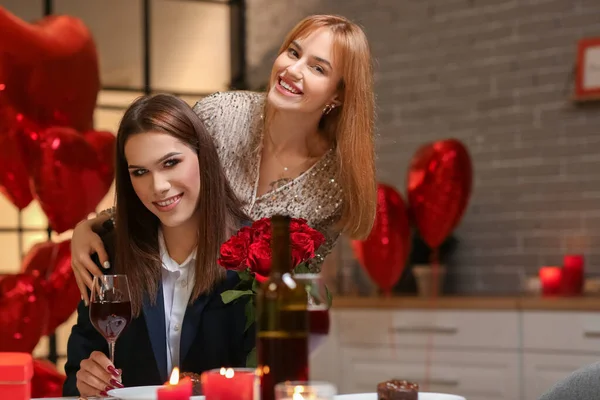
496	75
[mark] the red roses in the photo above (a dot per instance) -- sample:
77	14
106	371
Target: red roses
250	248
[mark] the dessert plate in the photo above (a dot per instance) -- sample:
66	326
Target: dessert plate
422	396
140	393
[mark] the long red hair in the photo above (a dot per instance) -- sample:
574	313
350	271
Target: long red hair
349	128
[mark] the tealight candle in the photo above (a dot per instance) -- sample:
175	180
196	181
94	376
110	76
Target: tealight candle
305	391
176	389
228	384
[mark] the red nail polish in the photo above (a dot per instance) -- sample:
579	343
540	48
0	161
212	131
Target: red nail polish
113	371
116	384
103	393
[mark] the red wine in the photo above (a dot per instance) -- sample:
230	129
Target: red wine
318	322
282	348
110	319
283	353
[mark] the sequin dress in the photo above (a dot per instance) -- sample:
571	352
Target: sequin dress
234	120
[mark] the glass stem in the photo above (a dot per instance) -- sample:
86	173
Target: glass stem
111	350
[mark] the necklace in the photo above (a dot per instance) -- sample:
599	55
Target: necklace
285	168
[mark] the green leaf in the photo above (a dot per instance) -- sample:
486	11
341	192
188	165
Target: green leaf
230	295
244	275
302	268
251	361
250	314
255	286
329	297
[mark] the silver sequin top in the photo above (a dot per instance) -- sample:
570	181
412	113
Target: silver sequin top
235	121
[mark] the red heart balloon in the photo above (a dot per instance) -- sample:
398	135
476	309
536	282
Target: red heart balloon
49	70
51	263
14	179
70	172
439	185
383	254
23	312
46	381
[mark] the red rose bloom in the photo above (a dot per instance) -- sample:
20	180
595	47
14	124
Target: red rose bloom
259	259
234	252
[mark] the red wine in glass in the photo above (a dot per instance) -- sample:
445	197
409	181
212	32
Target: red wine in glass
318	326
110	308
110	319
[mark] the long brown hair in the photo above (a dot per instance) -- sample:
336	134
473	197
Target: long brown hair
349	127
219	212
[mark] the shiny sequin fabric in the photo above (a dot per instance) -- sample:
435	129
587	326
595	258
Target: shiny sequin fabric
234	119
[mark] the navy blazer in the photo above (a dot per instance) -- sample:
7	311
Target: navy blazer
212	336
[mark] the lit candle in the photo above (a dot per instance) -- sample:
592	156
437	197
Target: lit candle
228	384
572	275
176	389
305	391
550	278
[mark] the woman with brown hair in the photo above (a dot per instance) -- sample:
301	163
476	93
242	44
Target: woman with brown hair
174	209
304	148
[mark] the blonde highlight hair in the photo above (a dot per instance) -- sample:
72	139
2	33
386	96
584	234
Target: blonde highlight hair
349	127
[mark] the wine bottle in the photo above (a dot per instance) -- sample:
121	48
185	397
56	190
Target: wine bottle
282	323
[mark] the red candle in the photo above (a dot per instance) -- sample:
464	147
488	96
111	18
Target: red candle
572	275
550	280
176	389
228	384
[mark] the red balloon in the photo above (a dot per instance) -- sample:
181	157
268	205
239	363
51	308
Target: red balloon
14	179
23	313
51	263
383	254
439	185
49	70
70	172
46	381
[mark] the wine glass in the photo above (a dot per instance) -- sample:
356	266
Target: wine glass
110	308
318	308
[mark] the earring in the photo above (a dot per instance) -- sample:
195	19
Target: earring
328	108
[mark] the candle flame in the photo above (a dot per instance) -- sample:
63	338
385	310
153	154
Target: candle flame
297	390
174	376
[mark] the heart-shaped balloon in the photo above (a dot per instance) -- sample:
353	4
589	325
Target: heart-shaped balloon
46	381
439	185
383	254
49	70
14	178
70	172
51	263
23	312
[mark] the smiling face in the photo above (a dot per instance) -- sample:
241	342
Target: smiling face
165	176
305	76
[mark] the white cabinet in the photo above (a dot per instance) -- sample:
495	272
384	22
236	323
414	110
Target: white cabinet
481	355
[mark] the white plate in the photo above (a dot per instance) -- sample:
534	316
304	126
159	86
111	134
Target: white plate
140	393
422	396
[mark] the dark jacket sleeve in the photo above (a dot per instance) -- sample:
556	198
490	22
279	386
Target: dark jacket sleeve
84	338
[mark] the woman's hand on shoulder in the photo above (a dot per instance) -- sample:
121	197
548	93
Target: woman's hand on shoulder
97	375
84	243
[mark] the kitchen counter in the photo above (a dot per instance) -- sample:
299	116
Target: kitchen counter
526	303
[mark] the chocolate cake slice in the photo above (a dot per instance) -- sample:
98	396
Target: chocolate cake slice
397	390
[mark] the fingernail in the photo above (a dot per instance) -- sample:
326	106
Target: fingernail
113	371
103	393
106	264
116	384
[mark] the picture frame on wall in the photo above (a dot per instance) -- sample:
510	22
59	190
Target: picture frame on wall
587	74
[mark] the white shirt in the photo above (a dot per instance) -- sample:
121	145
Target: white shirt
177	285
